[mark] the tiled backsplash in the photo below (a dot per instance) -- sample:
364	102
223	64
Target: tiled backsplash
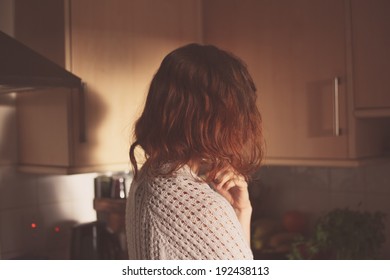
316	190
61	201
37	212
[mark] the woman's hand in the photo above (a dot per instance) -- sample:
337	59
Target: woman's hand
234	188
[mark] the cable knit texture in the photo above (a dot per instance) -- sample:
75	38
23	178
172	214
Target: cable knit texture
179	217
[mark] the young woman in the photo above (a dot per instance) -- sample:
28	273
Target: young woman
201	135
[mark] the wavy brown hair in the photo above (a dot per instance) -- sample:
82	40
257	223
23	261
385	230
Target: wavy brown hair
201	105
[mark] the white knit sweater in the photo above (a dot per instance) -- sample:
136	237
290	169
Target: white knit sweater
180	217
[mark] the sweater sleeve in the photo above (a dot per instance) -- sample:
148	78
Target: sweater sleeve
195	222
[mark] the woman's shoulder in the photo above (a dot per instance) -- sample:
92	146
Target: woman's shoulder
181	185
181	180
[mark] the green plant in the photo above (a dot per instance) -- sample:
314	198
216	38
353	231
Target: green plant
343	234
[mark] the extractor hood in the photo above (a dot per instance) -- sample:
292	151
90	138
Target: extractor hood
22	69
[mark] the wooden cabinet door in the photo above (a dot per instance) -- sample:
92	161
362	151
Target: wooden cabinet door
294	50
116	47
371	45
43	130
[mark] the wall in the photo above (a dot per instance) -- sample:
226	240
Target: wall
315	190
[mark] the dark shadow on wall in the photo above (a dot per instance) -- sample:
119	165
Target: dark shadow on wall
89	112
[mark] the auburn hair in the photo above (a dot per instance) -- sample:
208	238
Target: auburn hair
201	105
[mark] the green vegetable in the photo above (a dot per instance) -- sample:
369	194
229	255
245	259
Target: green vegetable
343	234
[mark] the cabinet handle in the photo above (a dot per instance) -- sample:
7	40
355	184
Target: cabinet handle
336	107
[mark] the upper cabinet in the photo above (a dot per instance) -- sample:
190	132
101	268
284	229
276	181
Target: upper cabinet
300	54
371	57
320	67
115	47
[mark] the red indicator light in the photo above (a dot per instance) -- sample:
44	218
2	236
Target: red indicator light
34	225
57	229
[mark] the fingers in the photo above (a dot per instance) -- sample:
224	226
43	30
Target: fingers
234	188
227	179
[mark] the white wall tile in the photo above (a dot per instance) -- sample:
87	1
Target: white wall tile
378	178
347	179
84	211
65	188
53	189
82	186
299	188
16	190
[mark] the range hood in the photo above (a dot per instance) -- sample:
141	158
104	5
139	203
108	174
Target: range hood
23	69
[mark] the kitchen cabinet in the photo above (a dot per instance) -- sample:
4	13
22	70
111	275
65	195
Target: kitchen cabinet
115	47
300	55
44	117
371	42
